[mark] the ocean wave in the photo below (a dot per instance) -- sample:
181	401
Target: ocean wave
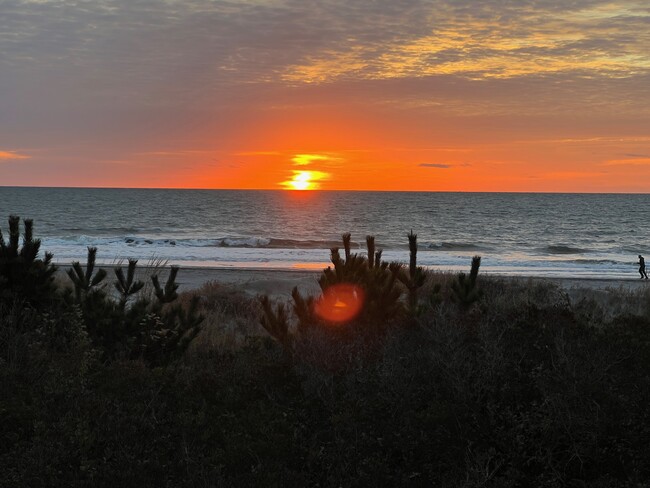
563	249
596	261
454	246
636	249
228	242
307	244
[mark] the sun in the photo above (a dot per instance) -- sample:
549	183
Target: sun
302	181
305	180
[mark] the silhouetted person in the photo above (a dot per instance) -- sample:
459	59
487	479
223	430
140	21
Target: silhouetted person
642	268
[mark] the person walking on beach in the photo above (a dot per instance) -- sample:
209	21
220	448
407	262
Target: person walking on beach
642	268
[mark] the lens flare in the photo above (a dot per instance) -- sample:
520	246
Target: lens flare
340	303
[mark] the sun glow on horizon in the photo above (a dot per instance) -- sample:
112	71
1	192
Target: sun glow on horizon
305	180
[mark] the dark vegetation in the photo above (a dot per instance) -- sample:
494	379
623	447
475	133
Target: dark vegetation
441	380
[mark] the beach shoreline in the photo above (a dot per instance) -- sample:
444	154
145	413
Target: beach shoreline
278	283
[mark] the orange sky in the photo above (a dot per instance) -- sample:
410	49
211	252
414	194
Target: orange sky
432	95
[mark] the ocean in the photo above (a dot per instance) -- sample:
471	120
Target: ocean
523	234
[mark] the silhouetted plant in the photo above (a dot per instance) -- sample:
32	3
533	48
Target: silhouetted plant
378	282
276	322
167	294
370	245
435	295
127	286
165	333
158	331
379	285
84	282
161	331
303	308
416	275
465	290
22	274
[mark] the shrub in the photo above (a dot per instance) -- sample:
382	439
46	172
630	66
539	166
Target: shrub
416	275
157	329
465	290
22	274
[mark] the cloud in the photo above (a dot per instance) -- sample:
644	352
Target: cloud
258	153
634	161
307	159
444	165
529	38
186	152
451	56
572	175
435	165
193	47
641	156
10	155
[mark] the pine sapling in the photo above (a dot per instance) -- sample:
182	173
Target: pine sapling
303	308
416	275
465	289
347	239
370	244
167	294
21	272
276	323
84	282
167	336
127	286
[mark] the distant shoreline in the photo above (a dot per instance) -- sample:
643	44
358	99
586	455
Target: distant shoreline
278	283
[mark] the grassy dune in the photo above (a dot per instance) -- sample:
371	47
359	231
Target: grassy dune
528	387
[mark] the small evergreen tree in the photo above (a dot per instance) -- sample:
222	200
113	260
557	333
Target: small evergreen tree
127	286
416	275
377	282
22	274
167	328
465	290
84	282
276	322
167	294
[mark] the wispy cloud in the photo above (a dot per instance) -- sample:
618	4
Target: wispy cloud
589	36
444	165
307	159
8	155
634	161
435	165
573	175
188	152
258	153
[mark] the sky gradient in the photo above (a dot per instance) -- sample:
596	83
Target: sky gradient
433	95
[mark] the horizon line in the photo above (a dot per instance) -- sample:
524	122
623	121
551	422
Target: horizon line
329	190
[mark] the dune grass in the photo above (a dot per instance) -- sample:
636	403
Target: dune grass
528	388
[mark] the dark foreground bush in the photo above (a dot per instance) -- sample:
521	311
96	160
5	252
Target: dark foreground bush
532	394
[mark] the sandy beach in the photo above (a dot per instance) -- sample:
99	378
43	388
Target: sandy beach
279	283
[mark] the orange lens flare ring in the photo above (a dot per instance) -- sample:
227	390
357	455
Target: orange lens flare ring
340	303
